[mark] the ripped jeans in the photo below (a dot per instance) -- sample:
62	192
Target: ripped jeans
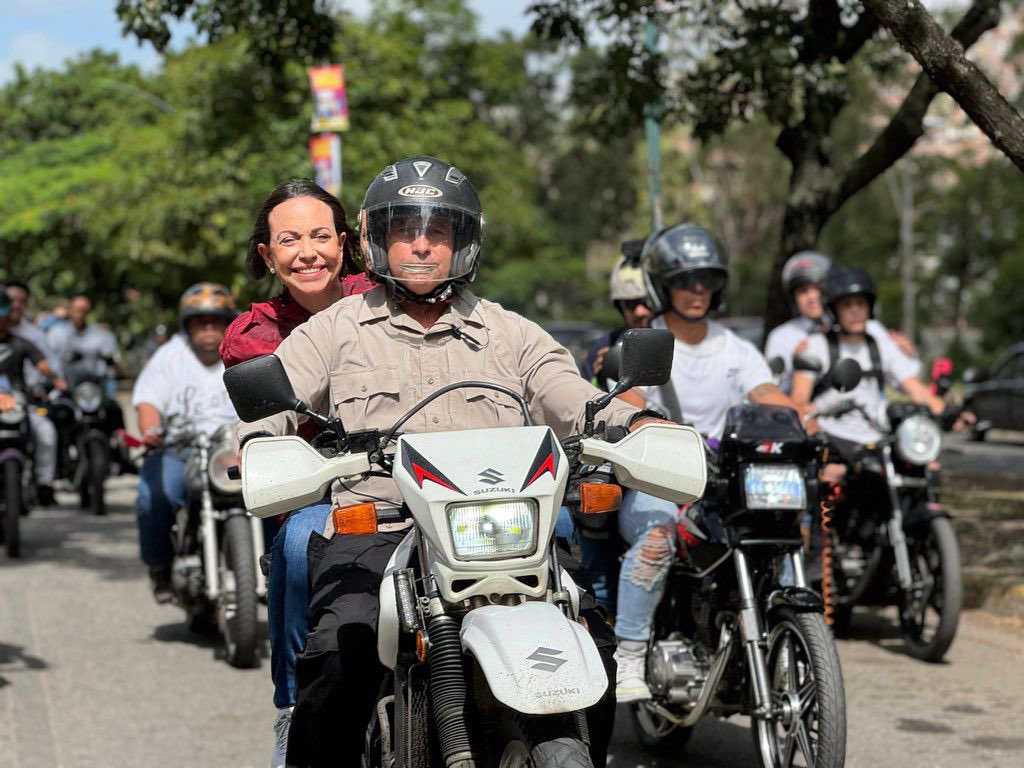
648	525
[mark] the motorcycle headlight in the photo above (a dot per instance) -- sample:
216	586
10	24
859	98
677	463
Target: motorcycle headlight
493	530
16	414
88	396
221	458
918	439
774	486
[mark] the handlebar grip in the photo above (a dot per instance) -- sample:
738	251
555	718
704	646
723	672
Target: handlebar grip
234	472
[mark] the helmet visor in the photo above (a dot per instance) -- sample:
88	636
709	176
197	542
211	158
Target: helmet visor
712	280
420	238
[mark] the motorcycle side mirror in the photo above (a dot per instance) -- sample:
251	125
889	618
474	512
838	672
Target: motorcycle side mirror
974	374
260	387
777	365
809	364
846	374
645	357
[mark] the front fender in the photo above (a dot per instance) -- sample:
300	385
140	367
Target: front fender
535	659
798	599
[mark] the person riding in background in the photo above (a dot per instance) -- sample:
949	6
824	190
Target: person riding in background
367	359
44	432
713	370
87	351
183	381
302	238
850	294
802	278
14	353
628	293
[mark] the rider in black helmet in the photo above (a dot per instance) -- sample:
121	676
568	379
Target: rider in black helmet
684	256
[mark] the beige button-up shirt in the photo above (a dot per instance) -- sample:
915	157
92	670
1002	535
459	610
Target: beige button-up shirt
366	361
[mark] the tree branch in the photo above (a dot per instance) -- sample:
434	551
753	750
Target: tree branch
944	61
907	125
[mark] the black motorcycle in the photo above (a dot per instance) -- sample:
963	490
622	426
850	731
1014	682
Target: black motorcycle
215	574
738	630
15	472
86	422
888	540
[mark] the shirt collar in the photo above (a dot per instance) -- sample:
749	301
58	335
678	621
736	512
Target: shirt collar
463	309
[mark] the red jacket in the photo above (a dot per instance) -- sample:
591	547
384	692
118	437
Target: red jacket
266	324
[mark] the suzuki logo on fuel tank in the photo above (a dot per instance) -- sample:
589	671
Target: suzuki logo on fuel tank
547	659
770	447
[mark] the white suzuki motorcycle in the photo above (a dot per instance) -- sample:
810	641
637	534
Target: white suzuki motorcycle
491	665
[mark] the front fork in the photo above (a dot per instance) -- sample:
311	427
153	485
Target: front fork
753	635
897	538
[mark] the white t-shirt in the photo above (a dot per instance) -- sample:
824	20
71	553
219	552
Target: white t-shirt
176	383
783	341
711	377
896	367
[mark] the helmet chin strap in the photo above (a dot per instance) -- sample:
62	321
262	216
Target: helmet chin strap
400	293
691	320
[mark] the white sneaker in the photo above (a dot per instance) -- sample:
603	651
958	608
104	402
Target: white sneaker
630	682
281	725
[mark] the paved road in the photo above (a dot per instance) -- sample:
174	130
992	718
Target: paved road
1002	453
93	673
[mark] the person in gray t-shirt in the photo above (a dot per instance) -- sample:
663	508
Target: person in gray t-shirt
87	351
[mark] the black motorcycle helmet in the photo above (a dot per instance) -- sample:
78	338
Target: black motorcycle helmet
841	282
206	299
417	189
679	250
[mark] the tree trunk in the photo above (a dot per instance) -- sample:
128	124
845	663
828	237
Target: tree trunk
943	59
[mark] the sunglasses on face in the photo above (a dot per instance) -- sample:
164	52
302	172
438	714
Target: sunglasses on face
709	279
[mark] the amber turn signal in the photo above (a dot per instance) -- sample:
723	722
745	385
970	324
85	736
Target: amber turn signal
599	497
358	518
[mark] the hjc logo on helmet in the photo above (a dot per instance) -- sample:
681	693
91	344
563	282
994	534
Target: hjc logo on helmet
420	190
697	251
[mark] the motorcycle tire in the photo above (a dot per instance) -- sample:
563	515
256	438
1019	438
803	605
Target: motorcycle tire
12	507
97	467
803	665
542	742
237	606
655	734
933	549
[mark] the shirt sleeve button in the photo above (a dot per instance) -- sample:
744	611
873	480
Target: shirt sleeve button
363	388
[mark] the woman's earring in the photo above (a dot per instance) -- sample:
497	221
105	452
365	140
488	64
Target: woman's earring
273	271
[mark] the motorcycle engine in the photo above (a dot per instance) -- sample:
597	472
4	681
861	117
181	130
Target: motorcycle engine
187	575
675	672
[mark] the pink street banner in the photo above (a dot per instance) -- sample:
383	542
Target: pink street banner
330	104
325	151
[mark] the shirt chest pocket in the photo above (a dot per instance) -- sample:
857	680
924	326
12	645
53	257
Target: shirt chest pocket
489	407
368	398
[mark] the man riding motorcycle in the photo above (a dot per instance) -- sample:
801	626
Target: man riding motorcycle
14	354
802	278
712	370
44	433
850	295
182	381
366	359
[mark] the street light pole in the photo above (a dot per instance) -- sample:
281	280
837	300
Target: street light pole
653	132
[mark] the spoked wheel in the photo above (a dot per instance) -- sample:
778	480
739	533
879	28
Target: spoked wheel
930	612
808	726
13	503
236	606
656	733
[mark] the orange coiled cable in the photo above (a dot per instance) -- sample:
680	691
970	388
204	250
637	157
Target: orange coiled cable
827	583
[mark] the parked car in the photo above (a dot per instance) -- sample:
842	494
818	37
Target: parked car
996	394
576	336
